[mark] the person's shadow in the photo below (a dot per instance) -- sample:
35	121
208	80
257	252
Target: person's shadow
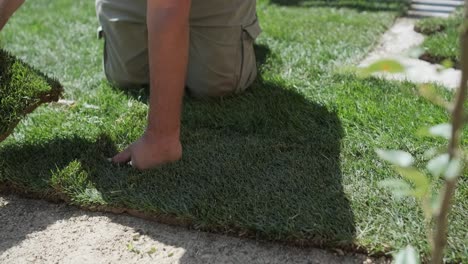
263	165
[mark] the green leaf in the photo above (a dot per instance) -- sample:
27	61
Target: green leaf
130	246
429	92
421	182
396	157
152	251
438	165
447	63
442	130
432	152
399	188
454	169
387	65
407	256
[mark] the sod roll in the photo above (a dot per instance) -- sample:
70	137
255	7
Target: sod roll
22	90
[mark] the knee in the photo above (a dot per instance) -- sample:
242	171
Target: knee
125	48
123	68
220	63
203	82
123	80
203	86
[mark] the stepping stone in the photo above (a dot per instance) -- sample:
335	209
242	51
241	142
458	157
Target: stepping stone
420	14
451	3
433	8
396	43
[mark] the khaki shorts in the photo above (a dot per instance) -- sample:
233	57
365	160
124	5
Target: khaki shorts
221	56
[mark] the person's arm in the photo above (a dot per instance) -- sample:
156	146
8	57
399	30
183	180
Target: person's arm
7	8
168	37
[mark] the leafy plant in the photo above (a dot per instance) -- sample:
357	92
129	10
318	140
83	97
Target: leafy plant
448	165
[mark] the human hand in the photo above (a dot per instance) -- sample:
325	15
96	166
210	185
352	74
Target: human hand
150	151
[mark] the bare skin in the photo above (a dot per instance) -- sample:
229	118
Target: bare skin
7	8
168	32
168	37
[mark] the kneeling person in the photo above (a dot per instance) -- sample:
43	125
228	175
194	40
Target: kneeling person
221	59
205	45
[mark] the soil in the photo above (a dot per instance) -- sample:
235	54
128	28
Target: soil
35	231
438	60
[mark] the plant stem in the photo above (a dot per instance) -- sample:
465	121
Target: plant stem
441	218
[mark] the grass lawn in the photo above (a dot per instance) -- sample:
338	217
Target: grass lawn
442	42
291	160
22	89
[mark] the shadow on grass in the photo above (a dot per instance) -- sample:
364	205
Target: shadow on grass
361	5
141	94
263	165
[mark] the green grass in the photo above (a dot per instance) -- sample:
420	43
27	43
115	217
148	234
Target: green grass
291	160
22	89
442	42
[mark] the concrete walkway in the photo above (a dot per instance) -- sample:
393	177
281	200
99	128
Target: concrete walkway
397	44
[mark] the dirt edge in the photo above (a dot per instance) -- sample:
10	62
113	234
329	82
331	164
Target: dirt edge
172	220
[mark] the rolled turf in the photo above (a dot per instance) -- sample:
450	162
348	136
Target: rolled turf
22	90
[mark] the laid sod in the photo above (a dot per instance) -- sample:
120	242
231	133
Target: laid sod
442	42
291	160
22	90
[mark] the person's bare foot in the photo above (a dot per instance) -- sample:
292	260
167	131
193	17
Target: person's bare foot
150	151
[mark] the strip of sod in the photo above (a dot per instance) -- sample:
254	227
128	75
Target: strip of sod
443	38
291	160
22	90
